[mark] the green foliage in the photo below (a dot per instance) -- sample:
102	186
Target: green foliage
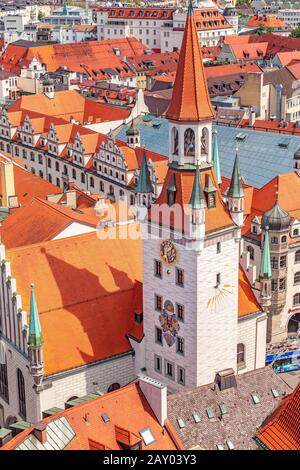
296	32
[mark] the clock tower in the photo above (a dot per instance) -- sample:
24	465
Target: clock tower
190	247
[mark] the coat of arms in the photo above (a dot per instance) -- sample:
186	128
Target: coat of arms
169	323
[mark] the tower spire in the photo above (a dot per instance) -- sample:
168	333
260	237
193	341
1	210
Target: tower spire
144	184
190	99
236	189
35	332
265	267
215	157
197	200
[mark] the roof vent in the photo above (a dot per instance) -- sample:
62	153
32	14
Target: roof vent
225	379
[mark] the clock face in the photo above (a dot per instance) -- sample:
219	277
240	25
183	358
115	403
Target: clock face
168	251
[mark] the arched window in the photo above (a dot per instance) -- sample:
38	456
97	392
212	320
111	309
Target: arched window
240	353
251	251
111	190
204	141
189	143
283	239
3	375
21	394
297	278
74	174
112	387
82	177
121	194
175	141
92	184
274	240
296	299
297	256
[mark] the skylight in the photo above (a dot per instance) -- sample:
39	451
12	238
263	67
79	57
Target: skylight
275	393
220	447
196	417
210	413
230	445
241	136
255	398
181	423
105	418
147	436
223	409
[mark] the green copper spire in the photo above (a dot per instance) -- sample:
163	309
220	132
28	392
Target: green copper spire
265	268
197	200
190	11
35	331
65	9
144	184
215	157
236	186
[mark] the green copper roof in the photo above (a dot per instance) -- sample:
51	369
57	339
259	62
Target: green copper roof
236	187
197	200
209	187
215	157
190	11
35	332
265	268
144	184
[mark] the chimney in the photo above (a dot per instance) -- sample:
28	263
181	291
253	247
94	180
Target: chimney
225	379
9	198
252	117
278	89
71	198
156	395
40	432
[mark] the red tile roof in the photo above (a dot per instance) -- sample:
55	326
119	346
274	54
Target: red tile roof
281	431
154	13
129	413
190	99
267	21
92	284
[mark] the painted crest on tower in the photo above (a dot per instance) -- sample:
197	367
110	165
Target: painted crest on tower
169	323
168	251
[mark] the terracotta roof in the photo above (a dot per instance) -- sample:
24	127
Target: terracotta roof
247	302
231	69
267	21
88	54
69	105
286	57
250	51
49	220
103	274
215	218
190	99
154	13
129	413
28	185
281	430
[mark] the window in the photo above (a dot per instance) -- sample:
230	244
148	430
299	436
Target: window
82	177
147	436
158	335
169	369
297	278
49	163
218	279
40	159
21	394
297	256
179	277
251	251
158	302
240	353
296	232
219	247
254	229
282	283
274	262
274	285
255	398
56	166
296	299
92	182
282	261
3	375
283	239
112	387
180	312
181	423
74	174
274	240
157	363
180	345
158	268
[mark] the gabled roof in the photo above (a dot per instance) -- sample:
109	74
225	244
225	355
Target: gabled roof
281	430
128	413
190	99
91	307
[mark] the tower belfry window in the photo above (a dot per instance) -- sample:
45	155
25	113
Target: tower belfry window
189	143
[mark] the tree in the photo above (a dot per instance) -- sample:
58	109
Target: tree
40	16
261	29
296	32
